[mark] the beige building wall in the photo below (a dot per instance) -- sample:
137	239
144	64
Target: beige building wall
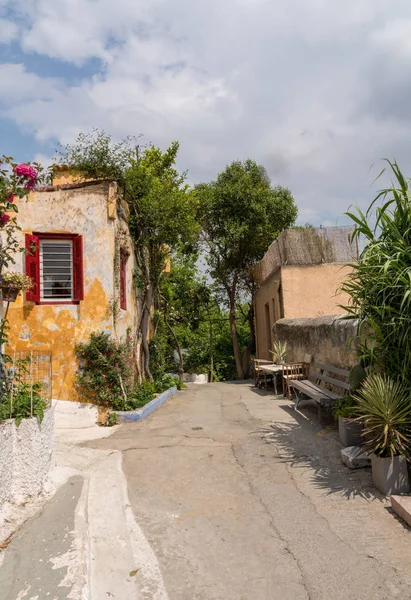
295	292
313	291
88	211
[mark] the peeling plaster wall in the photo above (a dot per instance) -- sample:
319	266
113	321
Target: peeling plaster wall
27	456
88	212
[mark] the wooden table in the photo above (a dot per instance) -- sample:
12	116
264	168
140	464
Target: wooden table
271	370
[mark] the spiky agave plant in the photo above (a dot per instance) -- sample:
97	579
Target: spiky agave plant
384	408
379	285
279	350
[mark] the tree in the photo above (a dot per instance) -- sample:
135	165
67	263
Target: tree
162	208
184	298
241	213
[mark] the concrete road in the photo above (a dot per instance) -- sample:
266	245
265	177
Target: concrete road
225	493
241	498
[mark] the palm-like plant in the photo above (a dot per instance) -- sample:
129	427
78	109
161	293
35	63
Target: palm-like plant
384	408
380	282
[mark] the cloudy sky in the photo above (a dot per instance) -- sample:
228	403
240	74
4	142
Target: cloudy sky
316	90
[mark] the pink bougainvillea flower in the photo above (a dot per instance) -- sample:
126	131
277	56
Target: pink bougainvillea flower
26	171
10	199
30	184
4	218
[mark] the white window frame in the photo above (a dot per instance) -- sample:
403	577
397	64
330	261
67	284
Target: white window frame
53	299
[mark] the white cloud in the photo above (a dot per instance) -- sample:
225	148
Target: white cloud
291	83
394	37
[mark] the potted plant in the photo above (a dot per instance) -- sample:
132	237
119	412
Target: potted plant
384	409
279	352
11	284
349	428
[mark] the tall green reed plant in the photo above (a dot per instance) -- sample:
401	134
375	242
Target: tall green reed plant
379	285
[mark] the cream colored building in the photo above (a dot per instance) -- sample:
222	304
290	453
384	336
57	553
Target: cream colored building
80	258
300	276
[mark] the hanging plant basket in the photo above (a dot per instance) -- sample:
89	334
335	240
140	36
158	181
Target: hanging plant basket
9	293
11	284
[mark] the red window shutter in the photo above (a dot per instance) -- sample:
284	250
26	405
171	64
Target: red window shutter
33	267
123	281
78	274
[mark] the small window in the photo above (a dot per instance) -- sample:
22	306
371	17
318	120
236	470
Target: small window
55	264
56	270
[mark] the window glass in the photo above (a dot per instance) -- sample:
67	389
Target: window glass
56	269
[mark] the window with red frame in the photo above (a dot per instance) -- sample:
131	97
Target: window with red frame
55	264
123	280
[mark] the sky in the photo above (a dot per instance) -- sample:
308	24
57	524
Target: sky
318	91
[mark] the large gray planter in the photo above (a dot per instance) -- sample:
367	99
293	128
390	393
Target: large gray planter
350	432
390	475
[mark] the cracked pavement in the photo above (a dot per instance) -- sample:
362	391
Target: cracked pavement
230	494
242	498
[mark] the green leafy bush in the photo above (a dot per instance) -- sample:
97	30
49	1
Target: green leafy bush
344	407
18	407
165	382
112	419
105	375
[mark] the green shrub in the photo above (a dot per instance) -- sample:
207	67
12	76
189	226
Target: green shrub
112	420
344	407
19	407
165	382
105	370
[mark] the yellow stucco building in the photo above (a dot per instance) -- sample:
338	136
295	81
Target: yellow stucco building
80	258
300	276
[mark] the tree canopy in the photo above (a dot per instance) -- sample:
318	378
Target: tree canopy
241	213
162	207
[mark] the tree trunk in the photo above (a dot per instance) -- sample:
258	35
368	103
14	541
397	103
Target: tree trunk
251	345
234	333
211	350
178	348
145	325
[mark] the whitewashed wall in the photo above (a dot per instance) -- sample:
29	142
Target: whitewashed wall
27	455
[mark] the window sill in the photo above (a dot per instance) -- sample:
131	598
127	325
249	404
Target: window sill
64	303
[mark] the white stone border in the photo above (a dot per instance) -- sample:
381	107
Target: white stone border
27	455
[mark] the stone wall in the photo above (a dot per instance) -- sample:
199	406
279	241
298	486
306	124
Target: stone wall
329	339
27	456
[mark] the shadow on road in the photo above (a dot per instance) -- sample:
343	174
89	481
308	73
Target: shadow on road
304	444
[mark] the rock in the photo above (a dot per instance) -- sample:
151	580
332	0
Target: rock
355	457
401	505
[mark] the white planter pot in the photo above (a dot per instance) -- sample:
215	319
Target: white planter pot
390	475
195	378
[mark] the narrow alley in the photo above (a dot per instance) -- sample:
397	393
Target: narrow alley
230	495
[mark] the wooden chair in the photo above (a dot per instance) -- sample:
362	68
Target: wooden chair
295	371
257	371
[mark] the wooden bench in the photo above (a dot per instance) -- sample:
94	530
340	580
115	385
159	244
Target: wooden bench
315	388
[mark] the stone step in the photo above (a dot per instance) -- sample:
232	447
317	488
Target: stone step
401	505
